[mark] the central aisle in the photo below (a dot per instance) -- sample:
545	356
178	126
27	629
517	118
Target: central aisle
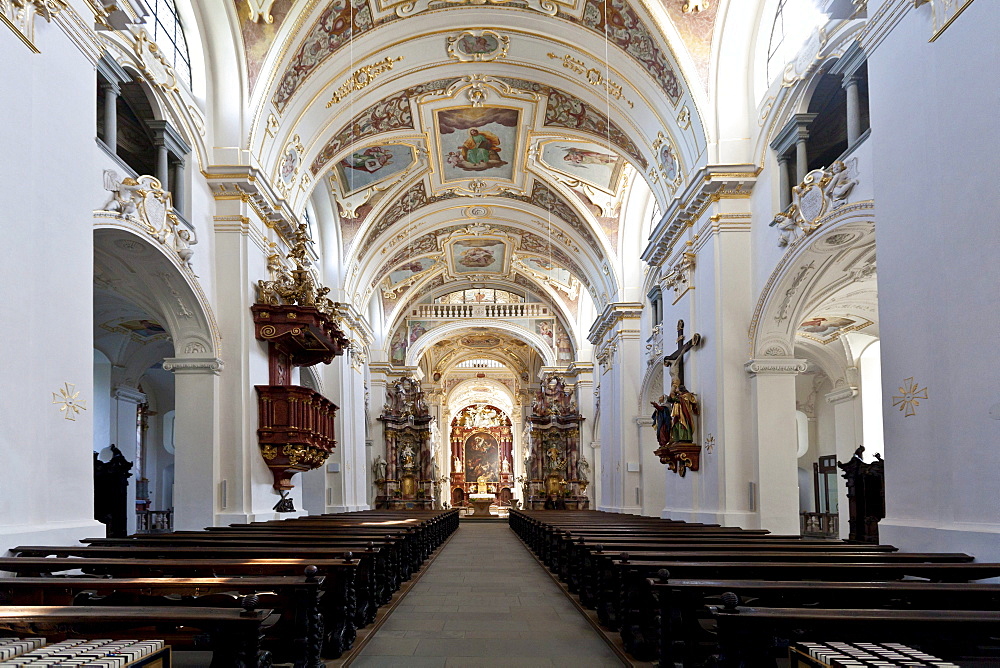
485	601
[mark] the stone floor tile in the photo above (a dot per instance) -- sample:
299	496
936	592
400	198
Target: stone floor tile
485	601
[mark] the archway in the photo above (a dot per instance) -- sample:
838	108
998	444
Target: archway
151	319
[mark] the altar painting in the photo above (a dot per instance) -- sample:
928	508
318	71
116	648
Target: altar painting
589	162
482	457
477	142
366	167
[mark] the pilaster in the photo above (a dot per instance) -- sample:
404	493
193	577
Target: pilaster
772	389
847	434
199	491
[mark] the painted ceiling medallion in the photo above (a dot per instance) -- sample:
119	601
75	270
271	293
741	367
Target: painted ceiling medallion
478	46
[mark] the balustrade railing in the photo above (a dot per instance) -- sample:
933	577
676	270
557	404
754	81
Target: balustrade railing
820	525
456	311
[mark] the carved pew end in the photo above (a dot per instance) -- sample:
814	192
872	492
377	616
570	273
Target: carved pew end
249	604
730	602
310	573
664	575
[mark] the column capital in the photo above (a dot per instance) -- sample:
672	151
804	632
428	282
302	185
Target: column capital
775	366
850	61
796	130
164	134
842	394
206	365
112	73
128	394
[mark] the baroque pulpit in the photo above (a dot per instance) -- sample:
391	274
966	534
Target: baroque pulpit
556	473
407	426
294	316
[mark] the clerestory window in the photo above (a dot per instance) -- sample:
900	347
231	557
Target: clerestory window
168	33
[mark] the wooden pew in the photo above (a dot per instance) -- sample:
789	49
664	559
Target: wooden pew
235	635
673	632
298	636
370	587
751	636
338	604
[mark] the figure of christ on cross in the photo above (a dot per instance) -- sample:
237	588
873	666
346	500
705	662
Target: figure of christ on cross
675	419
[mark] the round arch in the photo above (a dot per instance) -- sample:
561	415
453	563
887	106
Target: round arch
432	336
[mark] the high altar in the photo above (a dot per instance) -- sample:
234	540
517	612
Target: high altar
407	481
556	473
481	455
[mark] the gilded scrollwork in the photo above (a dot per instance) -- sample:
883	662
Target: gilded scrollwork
295	286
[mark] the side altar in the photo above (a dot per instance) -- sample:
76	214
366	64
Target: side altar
557	474
405	479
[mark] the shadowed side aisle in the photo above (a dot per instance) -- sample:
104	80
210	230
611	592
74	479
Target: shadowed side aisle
485	601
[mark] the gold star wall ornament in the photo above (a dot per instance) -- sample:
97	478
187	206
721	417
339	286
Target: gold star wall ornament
69	402
709	443
907	400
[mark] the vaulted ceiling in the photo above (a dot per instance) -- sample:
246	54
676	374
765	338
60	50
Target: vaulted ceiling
491	144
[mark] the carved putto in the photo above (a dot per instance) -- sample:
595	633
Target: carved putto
294	286
143	201
821	191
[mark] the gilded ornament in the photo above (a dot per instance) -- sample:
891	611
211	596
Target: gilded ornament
909	397
69	402
269	452
690	6
362	78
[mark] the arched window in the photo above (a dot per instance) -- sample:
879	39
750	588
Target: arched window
168	33
794	22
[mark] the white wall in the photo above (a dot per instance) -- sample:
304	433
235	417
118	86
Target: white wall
933	109
49	115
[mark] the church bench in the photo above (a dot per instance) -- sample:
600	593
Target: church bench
568	561
372	580
391	568
346	607
234	635
751	636
298	636
623	585
600	584
671	631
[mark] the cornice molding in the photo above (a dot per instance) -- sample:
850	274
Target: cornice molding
129	394
882	22
613	314
775	366
842	395
252	186
206	365
708	185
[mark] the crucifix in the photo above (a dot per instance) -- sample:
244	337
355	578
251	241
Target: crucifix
682	347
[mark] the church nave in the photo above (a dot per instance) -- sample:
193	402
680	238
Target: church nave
485	601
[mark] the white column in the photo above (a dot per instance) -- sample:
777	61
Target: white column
772	389
163	166
198	493
847	434
124	411
853	110
801	157
784	182
110	134
177	181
